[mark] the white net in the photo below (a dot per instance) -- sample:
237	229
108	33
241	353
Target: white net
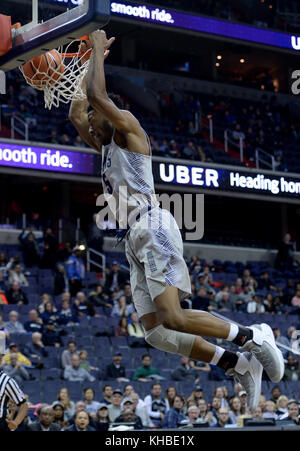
59	73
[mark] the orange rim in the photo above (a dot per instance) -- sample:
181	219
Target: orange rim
78	55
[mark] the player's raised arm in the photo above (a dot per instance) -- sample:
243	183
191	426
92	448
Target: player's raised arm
97	96
78	113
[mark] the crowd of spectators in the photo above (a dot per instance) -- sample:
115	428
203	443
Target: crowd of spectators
167	410
54	314
264	125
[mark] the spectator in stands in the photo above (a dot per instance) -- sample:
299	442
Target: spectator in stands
121	329
276	392
69	405
185	372
127	293
59	414
67	354
204	414
16	370
17	275
3	327
284	257
189	151
146	372
81	423
121	308
84	363
107	392
140	409
16	295
35	323
115	370
30	249
224	304
201	301
92	406
220	393
175	415
192	417
53	138
98	298
295	302
265	281
21	358
102	419
292	413
196	395
134	327
82	307
215	406
281	406
115	409
45	420
3	284
270	410
156	405
257	413
74	372
44	299
50	246
61	281
51	336
50	313
235	411
255	305
4	265
67	315
13	326
127	416
75	271
170	395
292	370
223	418
36	351
114	278
79	142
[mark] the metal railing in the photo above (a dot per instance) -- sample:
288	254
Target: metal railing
229	140
260	157
90	261
15	124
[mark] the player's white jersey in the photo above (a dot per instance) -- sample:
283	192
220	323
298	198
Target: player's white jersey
127	176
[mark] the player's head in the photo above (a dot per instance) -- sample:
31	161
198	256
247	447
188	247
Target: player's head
101	128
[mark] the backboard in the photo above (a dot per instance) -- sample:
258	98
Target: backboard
47	24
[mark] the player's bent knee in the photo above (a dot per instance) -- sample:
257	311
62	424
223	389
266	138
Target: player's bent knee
170	340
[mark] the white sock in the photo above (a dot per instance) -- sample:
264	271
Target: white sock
234	330
217	355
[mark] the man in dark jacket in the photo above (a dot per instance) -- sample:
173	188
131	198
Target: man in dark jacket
115	370
35	351
115	278
127	416
185	372
46	420
81	423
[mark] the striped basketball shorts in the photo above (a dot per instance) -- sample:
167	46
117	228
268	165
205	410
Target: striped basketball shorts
154	250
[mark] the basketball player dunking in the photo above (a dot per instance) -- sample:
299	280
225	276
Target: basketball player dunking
154	249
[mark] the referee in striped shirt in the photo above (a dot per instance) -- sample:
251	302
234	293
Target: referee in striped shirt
9	390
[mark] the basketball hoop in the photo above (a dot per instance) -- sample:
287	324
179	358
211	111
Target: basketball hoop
61	78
